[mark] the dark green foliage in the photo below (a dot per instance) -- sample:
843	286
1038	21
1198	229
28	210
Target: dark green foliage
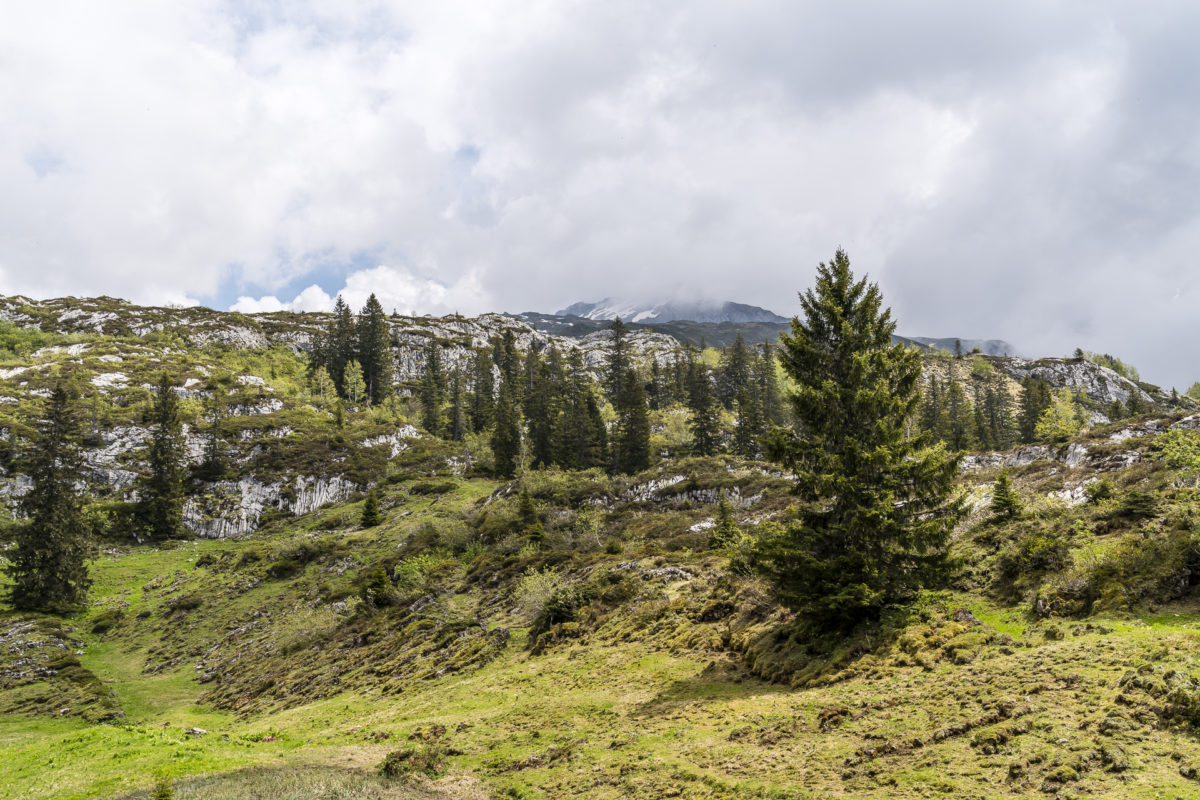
1100	491
544	386
579	439
428	760
371	515
160	491
1006	503
163	790
458	409
735	373
1036	397
215	466
725	532
875	506
47	563
631	450
705	422
433	389
747	436
375	350
483	401
527	515
506	437
432	487
618	362
335	347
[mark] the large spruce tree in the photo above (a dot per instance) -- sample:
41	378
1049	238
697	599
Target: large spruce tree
506	436
160	491
875	506
705	422
433	388
375	350
48	560
631	450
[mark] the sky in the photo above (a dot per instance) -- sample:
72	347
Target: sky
1021	170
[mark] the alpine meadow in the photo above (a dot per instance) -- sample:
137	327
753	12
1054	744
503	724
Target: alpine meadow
601	400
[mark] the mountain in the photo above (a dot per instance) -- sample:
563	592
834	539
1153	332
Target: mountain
989	347
610	308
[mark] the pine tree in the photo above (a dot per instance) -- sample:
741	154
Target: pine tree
353	385
875	509
335	347
160	492
506	437
765	376
631	451
705	423
433	389
483	400
750	424
1006	503
48	559
213	466
375	350
371	515
959	415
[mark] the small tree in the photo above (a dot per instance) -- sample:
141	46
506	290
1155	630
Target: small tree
160	503
433	389
1060	422
528	516
322	386
1181	451
48	560
1006	503
371	515
354	385
725	531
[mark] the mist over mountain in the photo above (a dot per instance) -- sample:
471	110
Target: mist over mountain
628	311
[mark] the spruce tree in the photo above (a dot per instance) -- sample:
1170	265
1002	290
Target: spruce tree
483	399
214	466
160	491
322	386
1035	399
618	362
527	514
506	436
458	410
875	509
750	424
631	451
433	389
48	559
1006	504
705	422
375	350
540	409
770	400
725	531
736	372
371	515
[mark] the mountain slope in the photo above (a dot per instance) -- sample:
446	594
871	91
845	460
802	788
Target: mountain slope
609	308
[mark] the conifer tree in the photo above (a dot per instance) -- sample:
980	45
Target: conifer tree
618	362
483	400
705	422
213	466
458	410
725	531
375	350
47	563
631	451
322	386
750	424
353	385
371	515
160	491
1060	422
875	509
770	400
335	347
528	517
542	393
506	437
959	415
433	389
1035	399
1006	503
736	369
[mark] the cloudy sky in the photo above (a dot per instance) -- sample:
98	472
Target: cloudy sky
1017	170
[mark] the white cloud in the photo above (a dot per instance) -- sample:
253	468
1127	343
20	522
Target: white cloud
994	166
396	289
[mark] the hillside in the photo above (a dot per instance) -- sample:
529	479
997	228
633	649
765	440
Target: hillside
285	651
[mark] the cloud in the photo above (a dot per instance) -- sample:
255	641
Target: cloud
396	289
1021	170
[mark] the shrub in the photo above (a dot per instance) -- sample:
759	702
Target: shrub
432	487
1100	491
428	759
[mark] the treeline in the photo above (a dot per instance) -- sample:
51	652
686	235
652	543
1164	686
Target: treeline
545	408
981	412
352	357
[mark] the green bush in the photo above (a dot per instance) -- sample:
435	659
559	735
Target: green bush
428	759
